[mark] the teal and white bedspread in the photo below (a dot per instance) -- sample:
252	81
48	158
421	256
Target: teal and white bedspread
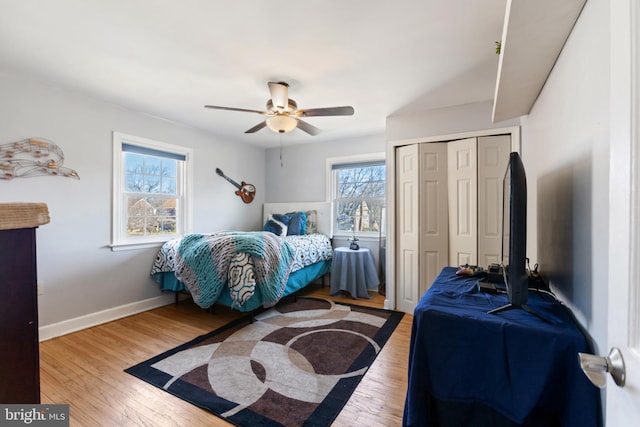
240	263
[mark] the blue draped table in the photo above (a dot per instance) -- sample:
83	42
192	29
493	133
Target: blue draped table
509	368
353	271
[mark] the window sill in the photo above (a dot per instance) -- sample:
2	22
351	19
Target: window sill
117	247
369	238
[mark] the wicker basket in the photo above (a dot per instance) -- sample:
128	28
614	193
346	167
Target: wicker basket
23	215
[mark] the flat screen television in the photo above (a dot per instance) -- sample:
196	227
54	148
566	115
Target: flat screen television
514	236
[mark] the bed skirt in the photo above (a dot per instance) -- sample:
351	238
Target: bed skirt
297	280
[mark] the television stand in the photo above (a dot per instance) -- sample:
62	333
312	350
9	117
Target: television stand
524	307
496	380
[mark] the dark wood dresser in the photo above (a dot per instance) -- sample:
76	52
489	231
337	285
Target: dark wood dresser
19	353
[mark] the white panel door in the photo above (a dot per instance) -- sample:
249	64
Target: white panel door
463	198
407	228
493	157
623	403
434	220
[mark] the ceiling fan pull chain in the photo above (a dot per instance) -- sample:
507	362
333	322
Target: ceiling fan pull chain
281	163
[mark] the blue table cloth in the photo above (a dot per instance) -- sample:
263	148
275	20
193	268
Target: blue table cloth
512	362
353	271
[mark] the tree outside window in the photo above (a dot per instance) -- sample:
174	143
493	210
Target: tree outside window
152	183
360	196
150	193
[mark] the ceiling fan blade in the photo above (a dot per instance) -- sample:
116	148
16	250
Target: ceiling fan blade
215	107
308	128
257	127
329	111
279	94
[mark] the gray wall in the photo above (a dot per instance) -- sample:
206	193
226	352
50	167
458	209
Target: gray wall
565	150
565	142
301	175
78	273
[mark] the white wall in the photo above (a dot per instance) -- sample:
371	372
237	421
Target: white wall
79	274
565	150
300	177
444	121
565	144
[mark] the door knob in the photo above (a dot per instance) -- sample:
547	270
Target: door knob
595	367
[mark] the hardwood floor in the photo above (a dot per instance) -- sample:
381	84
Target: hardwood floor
85	369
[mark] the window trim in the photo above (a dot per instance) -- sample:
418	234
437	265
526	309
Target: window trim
331	190
119	240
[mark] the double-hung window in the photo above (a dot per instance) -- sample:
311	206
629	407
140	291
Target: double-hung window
151	191
359	195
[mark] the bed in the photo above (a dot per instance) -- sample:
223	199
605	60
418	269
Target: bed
248	270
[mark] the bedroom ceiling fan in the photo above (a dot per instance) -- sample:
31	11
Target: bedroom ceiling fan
283	114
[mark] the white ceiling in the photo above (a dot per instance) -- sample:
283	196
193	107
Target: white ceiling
169	58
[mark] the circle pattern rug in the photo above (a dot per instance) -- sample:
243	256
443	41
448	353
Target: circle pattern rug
295	364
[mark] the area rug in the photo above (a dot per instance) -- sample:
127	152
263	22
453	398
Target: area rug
296	364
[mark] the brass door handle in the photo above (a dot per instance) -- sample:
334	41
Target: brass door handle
595	367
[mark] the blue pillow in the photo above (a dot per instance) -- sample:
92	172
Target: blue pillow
277	224
297	224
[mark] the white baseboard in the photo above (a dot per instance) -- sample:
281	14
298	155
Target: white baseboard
78	323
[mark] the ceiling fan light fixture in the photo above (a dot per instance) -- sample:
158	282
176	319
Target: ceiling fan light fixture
282	112
281	123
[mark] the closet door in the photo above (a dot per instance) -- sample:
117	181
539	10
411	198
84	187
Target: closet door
463	201
407	228
493	156
434	219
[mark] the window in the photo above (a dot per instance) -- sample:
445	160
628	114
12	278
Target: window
359	196
151	191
